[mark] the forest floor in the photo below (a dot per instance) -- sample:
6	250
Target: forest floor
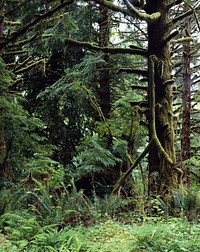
153	234
174	235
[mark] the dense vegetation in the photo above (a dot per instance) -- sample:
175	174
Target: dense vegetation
99	125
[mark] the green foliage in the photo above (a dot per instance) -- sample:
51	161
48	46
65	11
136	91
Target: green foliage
53	240
6	77
192	205
25	232
20	225
93	158
41	163
53	224
86	71
109	206
50	203
182	203
19	133
125	120
65	114
174	235
193	165
48	127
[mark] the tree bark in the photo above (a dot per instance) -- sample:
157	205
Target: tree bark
104	74
158	45
186	100
104	91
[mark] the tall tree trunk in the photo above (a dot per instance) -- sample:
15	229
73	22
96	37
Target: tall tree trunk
158	45
104	92
104	74
186	99
5	170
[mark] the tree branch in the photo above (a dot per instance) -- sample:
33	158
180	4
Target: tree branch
181	40
112	6
19	65
23	42
189	12
122	180
133	70
174	3
171	36
111	50
40	63
194	11
10	23
35	37
96	106
24	29
15	52
139	88
180	17
134	12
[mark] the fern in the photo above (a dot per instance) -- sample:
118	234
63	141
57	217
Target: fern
20	226
25	231
56	241
94	159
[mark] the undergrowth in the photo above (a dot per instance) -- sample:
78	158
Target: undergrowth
175	235
44	221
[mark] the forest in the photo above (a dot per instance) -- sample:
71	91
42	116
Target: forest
99	125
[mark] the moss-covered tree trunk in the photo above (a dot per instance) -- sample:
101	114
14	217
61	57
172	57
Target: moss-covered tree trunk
104	74
158	45
186	97
104	91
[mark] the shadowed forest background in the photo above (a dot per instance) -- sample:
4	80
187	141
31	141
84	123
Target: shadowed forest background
99	125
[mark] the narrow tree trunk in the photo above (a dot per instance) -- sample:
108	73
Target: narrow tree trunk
104	91
186	99
158	46
104	74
